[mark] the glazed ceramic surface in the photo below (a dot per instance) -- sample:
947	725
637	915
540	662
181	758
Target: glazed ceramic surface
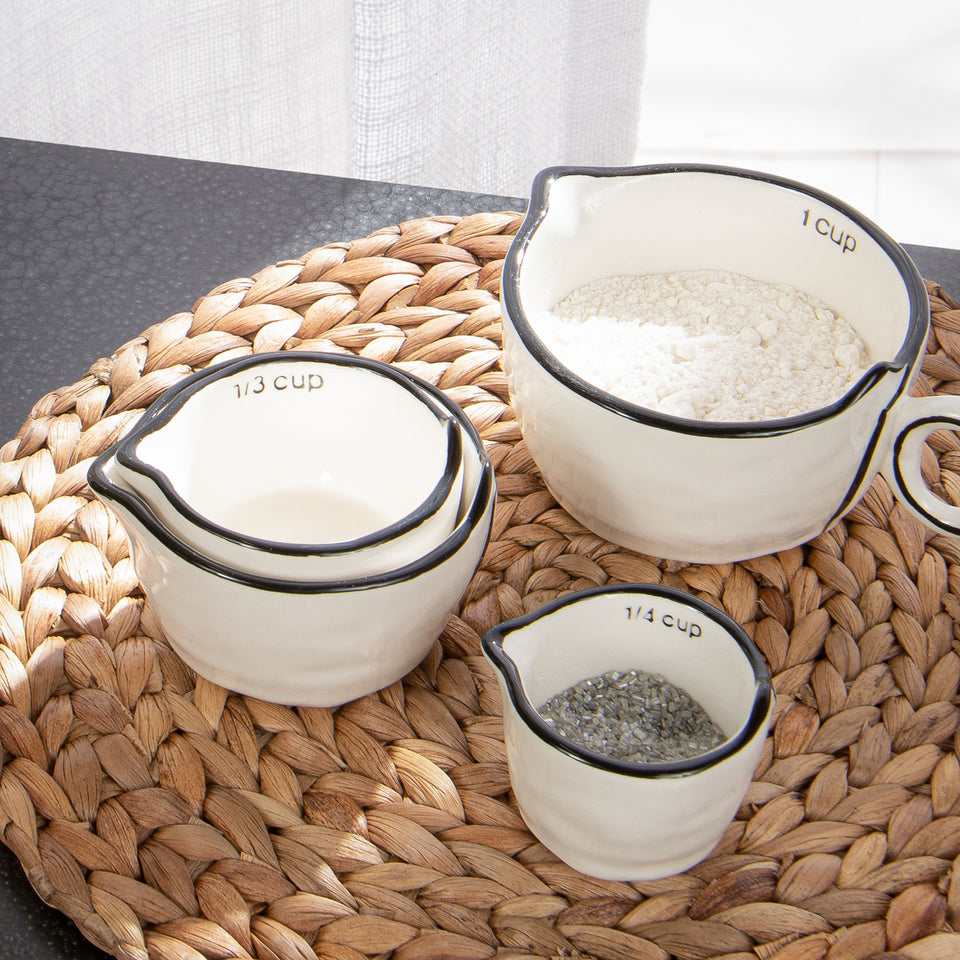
706	491
301	465
300	643
613	819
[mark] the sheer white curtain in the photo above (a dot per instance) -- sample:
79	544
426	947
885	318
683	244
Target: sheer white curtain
448	93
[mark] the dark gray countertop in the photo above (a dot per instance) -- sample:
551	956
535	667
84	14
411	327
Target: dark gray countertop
96	245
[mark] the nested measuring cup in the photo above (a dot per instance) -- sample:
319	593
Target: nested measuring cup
305	642
301	465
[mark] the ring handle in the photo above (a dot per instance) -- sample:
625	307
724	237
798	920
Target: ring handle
914	420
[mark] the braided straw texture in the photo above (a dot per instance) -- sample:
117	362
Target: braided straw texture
170	818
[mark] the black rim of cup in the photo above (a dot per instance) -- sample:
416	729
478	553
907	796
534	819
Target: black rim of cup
494	639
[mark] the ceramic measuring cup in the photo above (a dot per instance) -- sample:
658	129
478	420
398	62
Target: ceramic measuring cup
704	491
301	465
609	818
306	643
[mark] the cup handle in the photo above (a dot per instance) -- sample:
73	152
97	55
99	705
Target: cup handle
914	420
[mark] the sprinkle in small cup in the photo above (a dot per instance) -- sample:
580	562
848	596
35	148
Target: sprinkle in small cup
613	818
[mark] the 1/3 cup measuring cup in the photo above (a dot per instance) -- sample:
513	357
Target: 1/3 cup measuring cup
704	491
296	464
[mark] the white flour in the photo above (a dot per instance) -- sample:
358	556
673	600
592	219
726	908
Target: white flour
705	344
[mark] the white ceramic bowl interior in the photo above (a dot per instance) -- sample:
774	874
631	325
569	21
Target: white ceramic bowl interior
307	466
614	819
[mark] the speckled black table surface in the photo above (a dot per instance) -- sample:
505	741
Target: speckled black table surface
97	245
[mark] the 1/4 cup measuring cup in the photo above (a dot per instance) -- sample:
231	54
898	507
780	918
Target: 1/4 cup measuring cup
609	818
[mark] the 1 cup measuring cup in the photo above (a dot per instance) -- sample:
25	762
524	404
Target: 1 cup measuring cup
704	491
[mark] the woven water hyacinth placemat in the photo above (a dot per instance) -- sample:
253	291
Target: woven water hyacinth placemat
170	818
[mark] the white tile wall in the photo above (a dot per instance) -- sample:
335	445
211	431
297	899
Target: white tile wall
858	97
